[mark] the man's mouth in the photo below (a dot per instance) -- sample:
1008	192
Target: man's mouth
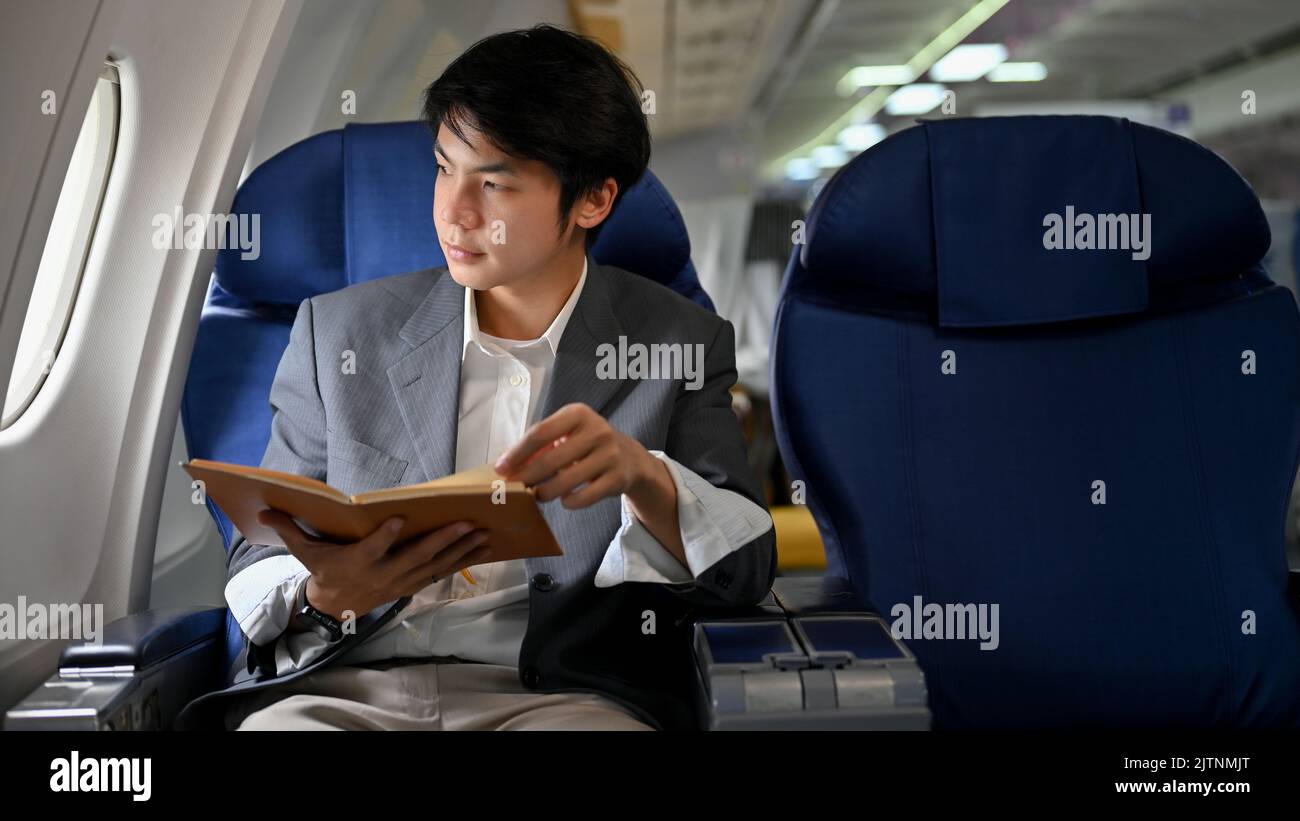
460	253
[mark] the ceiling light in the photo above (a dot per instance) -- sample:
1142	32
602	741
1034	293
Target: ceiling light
802	168
874	76
829	156
1018	73
968	62
918	98
864	108
861	136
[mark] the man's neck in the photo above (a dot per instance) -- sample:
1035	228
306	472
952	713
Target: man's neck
525	310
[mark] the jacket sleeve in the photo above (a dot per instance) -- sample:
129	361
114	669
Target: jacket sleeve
261	580
704	436
712	522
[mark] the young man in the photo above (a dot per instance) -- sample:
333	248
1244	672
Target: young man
497	358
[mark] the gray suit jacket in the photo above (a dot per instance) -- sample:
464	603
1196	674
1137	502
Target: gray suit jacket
393	422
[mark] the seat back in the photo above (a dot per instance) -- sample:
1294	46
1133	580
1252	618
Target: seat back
1093	446
338	208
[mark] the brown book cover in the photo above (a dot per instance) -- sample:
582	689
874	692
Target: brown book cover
516	528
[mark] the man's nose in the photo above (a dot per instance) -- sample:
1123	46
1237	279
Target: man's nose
457	210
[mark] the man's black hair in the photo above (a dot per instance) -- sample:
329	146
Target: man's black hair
550	95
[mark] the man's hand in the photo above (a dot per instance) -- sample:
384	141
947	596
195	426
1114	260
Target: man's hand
576	456
363	575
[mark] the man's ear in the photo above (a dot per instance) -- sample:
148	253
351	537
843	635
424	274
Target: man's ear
593	207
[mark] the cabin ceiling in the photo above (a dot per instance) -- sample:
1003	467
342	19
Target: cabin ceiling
773	65
1094	50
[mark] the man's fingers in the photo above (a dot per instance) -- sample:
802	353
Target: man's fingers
382	538
570	476
550	461
413	553
294	537
299	540
595	490
453	558
466	552
558	424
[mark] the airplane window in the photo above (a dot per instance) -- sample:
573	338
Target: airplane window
66	247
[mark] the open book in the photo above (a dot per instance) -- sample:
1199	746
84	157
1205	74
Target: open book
507	510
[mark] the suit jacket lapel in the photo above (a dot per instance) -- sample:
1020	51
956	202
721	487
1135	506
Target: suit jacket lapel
426	381
591	325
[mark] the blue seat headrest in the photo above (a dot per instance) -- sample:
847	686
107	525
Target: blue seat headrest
971	215
355	204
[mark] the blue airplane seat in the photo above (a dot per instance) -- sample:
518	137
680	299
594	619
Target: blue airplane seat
335	209
1100	445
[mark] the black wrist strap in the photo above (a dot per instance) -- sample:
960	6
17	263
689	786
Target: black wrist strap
264	657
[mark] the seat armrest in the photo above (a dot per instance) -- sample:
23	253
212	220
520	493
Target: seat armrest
799	595
147	638
821	659
138	676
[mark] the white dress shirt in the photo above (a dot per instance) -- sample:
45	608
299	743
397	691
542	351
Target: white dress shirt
502	384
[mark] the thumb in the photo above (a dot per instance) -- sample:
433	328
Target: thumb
383	537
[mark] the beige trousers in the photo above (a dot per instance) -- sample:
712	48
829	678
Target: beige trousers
402	695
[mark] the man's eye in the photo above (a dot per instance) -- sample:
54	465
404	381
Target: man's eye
441	168
490	185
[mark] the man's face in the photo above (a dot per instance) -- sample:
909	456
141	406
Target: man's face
503	210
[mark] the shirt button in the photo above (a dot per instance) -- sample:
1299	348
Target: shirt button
515	379
530	677
543	582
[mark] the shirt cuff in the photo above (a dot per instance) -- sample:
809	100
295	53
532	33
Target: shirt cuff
261	596
714	522
295	650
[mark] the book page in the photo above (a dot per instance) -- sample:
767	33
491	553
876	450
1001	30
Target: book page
482	475
477	479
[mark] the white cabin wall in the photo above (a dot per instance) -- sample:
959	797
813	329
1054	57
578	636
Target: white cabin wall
386	54
85	463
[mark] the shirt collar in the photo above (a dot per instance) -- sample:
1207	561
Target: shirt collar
552	335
